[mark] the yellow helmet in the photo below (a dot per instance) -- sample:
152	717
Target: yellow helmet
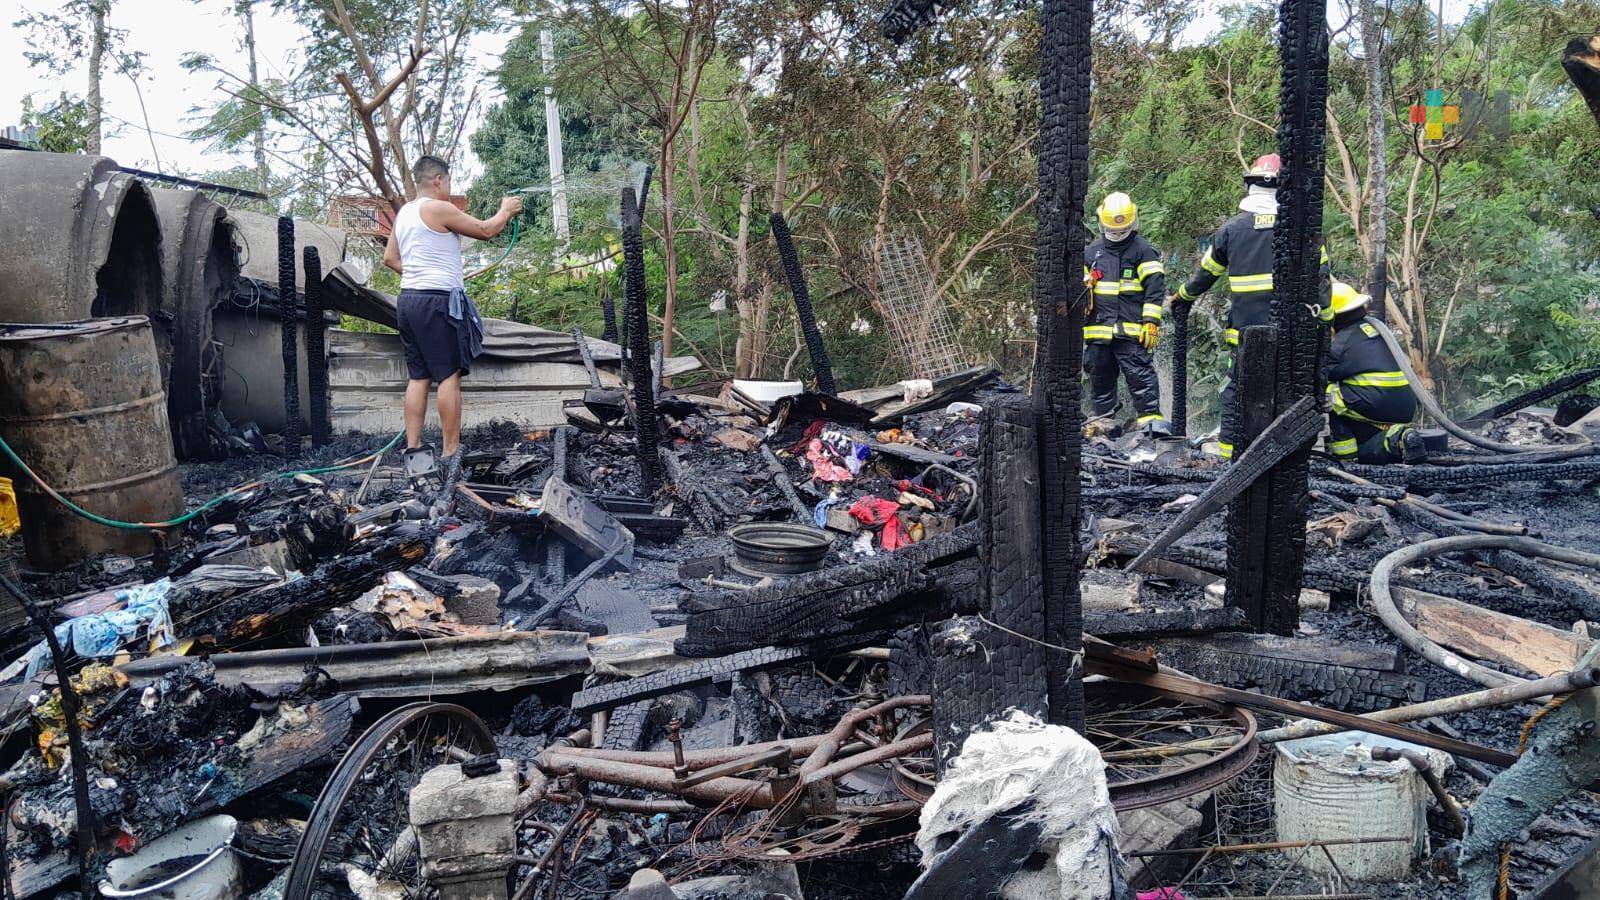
1118	215
1346	298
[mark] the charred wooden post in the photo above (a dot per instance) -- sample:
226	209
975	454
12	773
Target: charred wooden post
1058	361
646	429
555	549
1248	517
287	310
608	312
802	303
1180	368
279	608
316	349
980	669
1298	291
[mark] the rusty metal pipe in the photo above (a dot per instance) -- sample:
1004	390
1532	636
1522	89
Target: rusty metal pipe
876	755
892	810
680	767
699	759
652	778
578	740
643	807
1424	768
834	740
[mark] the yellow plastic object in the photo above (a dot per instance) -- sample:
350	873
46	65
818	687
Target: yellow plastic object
10	519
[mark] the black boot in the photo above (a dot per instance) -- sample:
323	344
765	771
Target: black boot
1412	449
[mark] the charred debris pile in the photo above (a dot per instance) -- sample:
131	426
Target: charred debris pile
931	639
753	680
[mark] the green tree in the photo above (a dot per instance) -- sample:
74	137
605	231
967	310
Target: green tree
57	43
62	126
383	82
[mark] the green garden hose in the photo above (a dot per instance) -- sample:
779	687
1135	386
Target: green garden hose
211	504
516	226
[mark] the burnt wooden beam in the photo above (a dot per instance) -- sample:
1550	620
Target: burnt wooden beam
1180	368
983	669
680	677
1298	291
291	348
1060	296
1145	625
828	603
1336	674
1254	366
281	607
647	434
555	550
820	364
1295	429
316	350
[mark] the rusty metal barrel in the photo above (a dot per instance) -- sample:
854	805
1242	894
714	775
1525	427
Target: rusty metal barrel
81	404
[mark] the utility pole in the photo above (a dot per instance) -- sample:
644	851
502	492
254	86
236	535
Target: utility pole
552	131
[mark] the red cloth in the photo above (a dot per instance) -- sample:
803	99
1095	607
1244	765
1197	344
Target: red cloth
878	511
823	466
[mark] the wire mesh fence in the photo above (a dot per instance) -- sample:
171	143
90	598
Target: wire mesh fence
913	309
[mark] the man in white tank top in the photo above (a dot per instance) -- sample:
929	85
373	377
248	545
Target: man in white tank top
435	318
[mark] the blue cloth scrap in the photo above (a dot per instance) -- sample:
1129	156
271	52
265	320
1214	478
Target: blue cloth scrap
819	515
463	310
102	634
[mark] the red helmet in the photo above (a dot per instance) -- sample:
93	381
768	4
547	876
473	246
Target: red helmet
1264	171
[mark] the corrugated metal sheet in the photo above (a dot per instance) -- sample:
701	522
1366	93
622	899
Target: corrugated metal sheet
367	378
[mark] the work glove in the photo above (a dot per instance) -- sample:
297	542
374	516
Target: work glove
1149	337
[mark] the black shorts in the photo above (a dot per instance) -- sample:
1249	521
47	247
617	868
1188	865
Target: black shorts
435	344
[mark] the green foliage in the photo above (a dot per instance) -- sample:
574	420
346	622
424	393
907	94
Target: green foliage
935	140
62	126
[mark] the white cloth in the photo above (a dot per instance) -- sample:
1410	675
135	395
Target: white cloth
429	260
1262	201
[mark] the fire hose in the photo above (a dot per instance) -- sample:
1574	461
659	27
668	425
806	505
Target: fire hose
1432	406
1389	613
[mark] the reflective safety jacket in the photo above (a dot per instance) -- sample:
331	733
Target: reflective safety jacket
1364	381
1242	249
1131	289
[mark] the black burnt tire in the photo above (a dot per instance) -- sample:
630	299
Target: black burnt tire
384	764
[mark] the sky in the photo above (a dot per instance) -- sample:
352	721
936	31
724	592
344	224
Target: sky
165	29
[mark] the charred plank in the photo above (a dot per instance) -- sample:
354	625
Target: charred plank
692	674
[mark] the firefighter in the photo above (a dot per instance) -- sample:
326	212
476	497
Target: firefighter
1242	249
1126	282
1370	405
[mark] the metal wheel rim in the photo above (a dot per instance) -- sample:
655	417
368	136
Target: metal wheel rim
1218	768
305	872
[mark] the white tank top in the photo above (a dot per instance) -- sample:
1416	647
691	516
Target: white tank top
429	260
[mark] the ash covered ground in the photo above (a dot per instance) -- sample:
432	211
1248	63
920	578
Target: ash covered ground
1134	487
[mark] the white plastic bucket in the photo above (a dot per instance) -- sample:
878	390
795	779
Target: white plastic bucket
768	391
194	862
1329	787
